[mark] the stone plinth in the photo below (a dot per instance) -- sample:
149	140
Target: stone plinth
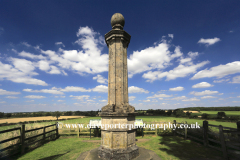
118	136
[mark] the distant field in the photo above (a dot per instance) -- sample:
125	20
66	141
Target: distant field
191	111
228	113
16	120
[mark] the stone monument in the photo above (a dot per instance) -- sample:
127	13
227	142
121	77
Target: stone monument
117	132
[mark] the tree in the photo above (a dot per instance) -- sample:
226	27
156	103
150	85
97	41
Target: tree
179	113
68	113
220	115
188	113
1	114
169	112
205	115
48	114
78	113
8	115
57	114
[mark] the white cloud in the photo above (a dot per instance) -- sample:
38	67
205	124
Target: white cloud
206	92
35	97
61	100
134	89
180	71
192	54
30	55
54	70
131	98
4	92
30	101
148	100
43	65
205	97
2	102
51	91
179	98
22	72
103	100
159	96
23	65
100	88
191	99
145	60
26	44
179	88
219	71
170	35
209	41
100	79
202	85
236	79
236	101
74	89
220	81
11	97
80	97
59	43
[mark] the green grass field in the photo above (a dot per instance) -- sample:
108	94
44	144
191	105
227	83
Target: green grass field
228	113
149	119
166	147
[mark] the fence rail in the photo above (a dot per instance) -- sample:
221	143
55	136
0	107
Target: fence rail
23	140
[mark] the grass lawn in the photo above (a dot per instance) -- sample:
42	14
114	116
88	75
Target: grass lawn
167	147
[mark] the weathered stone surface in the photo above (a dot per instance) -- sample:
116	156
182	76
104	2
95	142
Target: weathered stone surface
118	134
118	154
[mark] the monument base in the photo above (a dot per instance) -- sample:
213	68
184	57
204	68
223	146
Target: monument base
118	154
144	154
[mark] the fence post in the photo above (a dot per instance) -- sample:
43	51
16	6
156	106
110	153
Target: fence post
78	130
222	140
23	139
57	130
185	131
174	131
90	133
205	132
155	124
44	135
238	129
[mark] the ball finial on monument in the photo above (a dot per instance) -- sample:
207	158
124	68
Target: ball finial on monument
117	21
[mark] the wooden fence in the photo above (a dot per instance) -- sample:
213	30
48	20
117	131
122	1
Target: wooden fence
78	131
227	143
22	144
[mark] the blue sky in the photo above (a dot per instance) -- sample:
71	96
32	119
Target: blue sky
53	54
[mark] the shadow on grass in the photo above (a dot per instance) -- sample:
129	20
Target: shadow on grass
27	150
187	149
54	157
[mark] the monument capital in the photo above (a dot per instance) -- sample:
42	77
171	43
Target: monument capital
117	21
